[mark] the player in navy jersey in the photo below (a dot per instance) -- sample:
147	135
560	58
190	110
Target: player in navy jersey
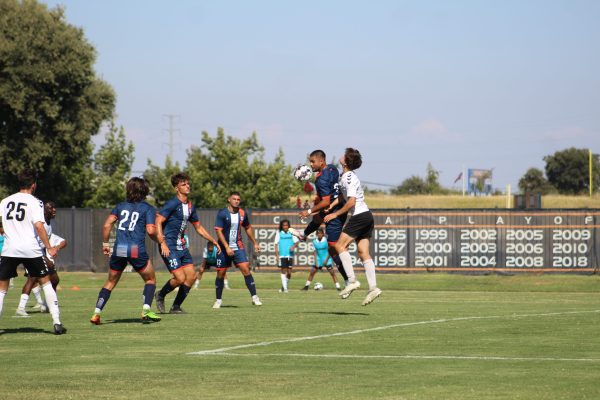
134	218
171	222
327	187
229	224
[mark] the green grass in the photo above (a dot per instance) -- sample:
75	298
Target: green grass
458	201
529	356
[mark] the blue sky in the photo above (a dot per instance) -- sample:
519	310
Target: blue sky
484	84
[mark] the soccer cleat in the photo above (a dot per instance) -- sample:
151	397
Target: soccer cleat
217	304
283	290
371	296
160	303
95	319
177	310
351	287
256	301
149	316
305	288
21	313
59	329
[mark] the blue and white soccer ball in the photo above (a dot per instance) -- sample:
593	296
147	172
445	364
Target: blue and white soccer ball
318	286
303	173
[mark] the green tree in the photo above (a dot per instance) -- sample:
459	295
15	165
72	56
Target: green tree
51	101
159	180
224	163
112	168
534	181
412	185
432	180
568	170
417	185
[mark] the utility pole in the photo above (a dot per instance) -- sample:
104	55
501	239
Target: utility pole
171	132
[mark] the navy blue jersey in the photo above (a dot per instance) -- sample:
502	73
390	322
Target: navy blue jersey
177	215
231	225
327	184
131	222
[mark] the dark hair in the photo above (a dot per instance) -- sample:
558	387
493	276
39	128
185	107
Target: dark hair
283	221
178	178
318	153
210	244
49	205
352	158
137	189
234	193
27	178
320	230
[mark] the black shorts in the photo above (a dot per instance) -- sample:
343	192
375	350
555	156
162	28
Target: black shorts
286	262
360	226
35	267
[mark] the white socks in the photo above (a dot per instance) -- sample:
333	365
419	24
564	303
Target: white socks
2	294
52	301
284	281
347	263
370	272
23	301
38	295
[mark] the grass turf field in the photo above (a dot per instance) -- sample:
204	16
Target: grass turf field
430	336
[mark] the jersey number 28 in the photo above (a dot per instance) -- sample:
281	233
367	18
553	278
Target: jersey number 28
125	216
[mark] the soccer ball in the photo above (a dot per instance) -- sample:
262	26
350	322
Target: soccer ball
303	173
318	286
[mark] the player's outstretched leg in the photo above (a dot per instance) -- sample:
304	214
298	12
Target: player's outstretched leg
103	297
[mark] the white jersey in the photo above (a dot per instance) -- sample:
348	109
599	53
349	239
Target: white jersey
19	214
350	187
54	240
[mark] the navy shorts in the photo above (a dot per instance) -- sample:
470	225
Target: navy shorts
333	229
224	261
119	263
177	259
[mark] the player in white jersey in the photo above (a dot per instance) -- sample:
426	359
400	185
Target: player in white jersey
359	228
22	218
31	286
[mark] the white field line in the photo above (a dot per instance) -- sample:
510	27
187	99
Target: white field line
381	328
406	357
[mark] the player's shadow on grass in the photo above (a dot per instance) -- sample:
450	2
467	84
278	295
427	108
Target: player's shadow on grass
123	321
334	313
22	330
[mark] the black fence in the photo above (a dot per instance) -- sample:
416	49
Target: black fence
479	240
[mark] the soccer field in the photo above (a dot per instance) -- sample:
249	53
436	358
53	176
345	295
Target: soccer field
430	336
